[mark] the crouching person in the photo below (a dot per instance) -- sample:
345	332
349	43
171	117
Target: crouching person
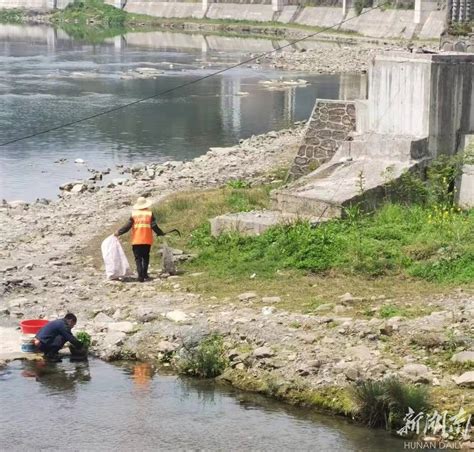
52	337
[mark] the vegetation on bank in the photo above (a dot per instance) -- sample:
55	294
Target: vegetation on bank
12	16
418	234
461	28
207	360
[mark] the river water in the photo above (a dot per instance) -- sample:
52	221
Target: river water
97	406
48	79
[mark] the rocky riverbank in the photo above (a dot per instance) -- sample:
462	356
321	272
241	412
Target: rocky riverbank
48	268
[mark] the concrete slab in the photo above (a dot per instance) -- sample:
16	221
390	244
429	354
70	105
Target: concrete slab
251	223
287	14
434	25
165	9
234	11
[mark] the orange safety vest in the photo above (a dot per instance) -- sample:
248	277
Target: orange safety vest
142	233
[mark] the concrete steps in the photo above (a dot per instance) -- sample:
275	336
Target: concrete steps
356	174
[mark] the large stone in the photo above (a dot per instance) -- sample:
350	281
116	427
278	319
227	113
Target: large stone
103	318
177	316
463	357
166	347
263	352
271	300
247	296
78	188
418	373
114	339
359	352
465	380
124	327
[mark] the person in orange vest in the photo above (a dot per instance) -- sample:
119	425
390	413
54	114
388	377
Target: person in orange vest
142	223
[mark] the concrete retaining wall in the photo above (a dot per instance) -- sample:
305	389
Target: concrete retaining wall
234	11
165	9
392	23
329	125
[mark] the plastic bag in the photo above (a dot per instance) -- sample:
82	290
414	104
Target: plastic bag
116	263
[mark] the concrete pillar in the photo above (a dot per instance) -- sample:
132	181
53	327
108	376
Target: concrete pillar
205	5
204	44
51	39
345	7
277	5
422	10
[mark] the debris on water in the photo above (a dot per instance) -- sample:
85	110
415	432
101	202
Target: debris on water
80	161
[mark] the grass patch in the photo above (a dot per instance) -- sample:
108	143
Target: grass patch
385	403
12	16
207	360
417	241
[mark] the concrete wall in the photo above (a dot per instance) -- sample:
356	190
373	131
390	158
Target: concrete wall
330	124
424	21
165	9
234	11
422	95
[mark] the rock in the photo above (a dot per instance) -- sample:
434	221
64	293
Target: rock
418	373
338	309
166	347
271	300
263	352
113	339
465	380
80	161
78	188
124	327
386	329
17	203
324	307
103	318
360	352
29	266
463	357
352	373
346	297
177	316
267	310
119	181
246	296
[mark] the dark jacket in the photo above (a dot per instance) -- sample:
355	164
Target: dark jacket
59	327
129	225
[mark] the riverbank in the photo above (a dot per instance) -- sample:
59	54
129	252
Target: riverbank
305	355
327	51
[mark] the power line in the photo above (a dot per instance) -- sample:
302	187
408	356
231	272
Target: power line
183	85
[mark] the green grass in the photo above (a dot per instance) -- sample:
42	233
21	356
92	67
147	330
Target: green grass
12	16
207	360
429	243
385	403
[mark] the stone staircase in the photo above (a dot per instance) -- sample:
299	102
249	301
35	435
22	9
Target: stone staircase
356	174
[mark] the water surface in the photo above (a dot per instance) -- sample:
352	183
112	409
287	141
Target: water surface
48	79
98	406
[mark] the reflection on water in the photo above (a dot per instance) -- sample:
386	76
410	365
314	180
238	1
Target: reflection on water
47	79
98	406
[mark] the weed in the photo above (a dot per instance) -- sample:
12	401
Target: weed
385	403
388	311
238	183
84	338
207	360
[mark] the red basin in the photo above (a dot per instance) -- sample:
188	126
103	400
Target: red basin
32	326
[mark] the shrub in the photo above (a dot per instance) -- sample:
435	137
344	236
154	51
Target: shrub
207	360
385	403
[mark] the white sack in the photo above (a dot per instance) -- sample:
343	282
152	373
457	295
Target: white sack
116	263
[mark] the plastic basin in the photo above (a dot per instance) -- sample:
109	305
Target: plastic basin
32	326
